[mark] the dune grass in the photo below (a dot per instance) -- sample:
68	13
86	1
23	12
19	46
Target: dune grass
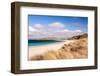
73	50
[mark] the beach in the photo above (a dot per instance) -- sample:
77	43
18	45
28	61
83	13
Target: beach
39	50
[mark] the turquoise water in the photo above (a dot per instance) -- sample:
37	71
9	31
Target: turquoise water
42	42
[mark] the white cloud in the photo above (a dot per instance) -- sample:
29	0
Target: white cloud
55	29
57	25
65	30
38	26
78	31
31	29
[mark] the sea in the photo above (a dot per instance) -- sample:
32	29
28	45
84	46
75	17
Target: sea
43	42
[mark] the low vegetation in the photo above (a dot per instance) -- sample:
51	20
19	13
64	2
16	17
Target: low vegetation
74	50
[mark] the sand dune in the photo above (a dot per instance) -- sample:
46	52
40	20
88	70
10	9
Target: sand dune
70	49
38	50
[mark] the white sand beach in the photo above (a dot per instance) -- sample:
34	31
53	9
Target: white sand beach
38	50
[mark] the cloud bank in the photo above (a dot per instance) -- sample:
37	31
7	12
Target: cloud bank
55	29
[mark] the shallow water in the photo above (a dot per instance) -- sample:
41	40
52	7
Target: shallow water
42	42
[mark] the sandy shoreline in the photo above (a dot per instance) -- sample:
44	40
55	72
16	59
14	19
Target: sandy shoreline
38	50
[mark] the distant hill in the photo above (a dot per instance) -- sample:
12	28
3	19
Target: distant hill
85	35
78	36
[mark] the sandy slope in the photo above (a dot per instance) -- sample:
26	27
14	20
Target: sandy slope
38	50
66	50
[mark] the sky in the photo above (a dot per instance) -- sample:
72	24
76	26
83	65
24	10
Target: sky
42	26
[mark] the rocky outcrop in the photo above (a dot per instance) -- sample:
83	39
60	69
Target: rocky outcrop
85	35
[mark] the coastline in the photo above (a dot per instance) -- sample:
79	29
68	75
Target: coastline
38	50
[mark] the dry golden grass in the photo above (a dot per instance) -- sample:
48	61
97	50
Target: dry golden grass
73	50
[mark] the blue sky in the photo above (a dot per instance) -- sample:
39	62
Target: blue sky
41	26
69	22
